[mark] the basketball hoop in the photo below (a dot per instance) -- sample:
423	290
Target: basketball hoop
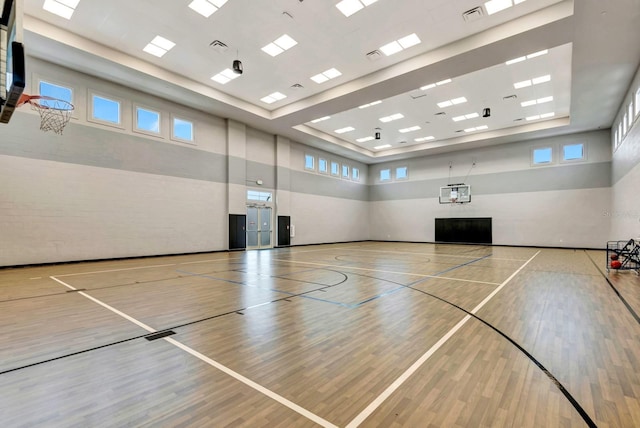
453	197
54	113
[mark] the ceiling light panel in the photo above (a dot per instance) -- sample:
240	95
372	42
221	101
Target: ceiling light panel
62	8
526	57
477	128
225	76
391	118
384	146
331	73
272	98
349	7
422	139
410	129
534	81
281	44
344	130
370	104
321	119
159	46
400	44
206	8
495	6
365	139
455	101
465	117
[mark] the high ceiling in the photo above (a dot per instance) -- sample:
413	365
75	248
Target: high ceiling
592	51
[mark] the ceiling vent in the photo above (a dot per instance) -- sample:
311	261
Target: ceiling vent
440	115
417	95
218	46
297	86
374	55
510	97
473	14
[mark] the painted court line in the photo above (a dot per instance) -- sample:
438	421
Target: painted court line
415	366
114	270
386	271
438	254
257	387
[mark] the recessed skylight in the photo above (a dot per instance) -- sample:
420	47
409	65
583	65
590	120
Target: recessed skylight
410	129
349	7
364	139
384	146
343	130
454	101
523	58
321	119
538	101
331	73
465	117
392	117
477	128
159	46
63	8
534	81
206	8
422	139
225	76
400	44
270	99
370	104
280	45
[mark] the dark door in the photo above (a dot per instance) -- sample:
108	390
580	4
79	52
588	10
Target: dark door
284	232
237	232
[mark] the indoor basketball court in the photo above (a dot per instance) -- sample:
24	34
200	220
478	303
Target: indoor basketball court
435	231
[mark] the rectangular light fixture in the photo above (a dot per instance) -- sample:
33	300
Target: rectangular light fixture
225	76
343	130
539	53
526	57
495	6
321	119
206	8
331	73
443	82
370	104
429	86
422	139
272	98
410	129
280	45
62	8
547	115
384	146
534	81
391	118
159	46
477	128
400	44
365	139
465	117
449	103
544	100
349	7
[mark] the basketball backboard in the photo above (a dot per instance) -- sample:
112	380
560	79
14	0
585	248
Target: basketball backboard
455	194
12	63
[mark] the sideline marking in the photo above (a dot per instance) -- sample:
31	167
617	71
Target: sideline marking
415	366
257	387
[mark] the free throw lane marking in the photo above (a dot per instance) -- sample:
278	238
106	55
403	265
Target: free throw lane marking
415	366
276	397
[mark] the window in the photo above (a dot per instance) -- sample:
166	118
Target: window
402	173
255	195
625	124
620	134
573	152
54	91
323	167
355	174
105	110
147	120
182	130
638	102
335	168
345	171
309	162
615	140
630	114
385	175
542	156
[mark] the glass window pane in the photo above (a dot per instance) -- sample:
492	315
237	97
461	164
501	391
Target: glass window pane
402	173
335	168
345	171
182	129
147	120
322	165
106	110
542	155
355	174
573	151
385	175
54	91
309	162
637	102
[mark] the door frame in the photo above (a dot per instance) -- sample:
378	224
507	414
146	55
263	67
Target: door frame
260	206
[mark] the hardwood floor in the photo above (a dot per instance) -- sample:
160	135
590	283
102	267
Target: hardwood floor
362	334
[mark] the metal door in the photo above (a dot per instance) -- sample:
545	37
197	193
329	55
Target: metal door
259	228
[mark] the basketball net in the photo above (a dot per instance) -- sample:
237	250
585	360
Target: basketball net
54	113
453	197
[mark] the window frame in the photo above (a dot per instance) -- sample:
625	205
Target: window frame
355	173
135	127
384	180
533	154
582	159
406	177
337	165
345	168
313	162
60	84
326	166
637	102
90	111
173	137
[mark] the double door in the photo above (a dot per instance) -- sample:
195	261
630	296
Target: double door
259	228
